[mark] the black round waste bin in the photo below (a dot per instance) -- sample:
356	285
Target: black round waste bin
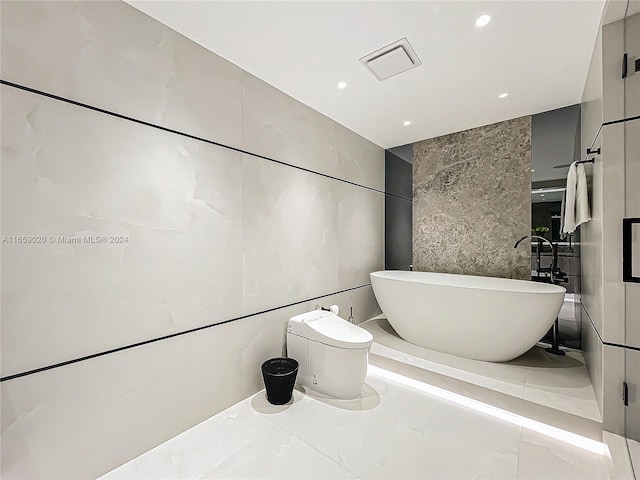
279	376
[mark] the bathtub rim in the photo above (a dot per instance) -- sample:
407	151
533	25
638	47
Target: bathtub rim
541	288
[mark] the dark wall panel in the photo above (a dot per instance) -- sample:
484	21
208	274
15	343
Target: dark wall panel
398	212
397	236
398	178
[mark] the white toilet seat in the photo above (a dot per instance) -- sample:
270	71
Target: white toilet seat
336	332
332	353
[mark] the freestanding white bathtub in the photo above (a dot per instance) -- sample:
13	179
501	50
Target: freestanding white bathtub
483	318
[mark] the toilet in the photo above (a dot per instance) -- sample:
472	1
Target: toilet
333	354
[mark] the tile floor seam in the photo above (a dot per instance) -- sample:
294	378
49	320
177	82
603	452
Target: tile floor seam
635	466
266	435
262	414
247	445
519	449
319	451
524	384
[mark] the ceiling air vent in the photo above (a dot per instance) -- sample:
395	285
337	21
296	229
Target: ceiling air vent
391	60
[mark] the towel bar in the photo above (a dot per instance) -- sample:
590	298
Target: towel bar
590	160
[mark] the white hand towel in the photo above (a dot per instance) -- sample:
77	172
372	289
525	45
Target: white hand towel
583	214
576	206
562	214
569	225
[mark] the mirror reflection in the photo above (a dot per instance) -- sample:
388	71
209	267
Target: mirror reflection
555	144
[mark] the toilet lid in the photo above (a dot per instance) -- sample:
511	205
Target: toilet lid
337	332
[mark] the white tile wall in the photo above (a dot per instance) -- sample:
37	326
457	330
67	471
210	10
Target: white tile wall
632	419
323	235
365	306
82	420
613	193
591	232
603	293
591	105
592	348
632	290
69	171
632	84
87	418
360	221
613	410
611	304
110	55
632	178
212	233
612	82
290	235
277	126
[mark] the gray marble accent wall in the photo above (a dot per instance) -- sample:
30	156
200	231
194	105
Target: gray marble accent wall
207	233
471	201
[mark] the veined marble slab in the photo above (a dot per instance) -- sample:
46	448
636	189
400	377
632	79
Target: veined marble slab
471	201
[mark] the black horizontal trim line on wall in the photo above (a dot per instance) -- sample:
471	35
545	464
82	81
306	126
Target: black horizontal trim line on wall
610	344
178	334
621	120
184	134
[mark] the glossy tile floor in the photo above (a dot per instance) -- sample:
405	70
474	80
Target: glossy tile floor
401	428
558	382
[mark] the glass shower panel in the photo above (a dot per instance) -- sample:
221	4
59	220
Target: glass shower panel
632	211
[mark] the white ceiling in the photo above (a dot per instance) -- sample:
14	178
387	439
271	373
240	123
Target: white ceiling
537	51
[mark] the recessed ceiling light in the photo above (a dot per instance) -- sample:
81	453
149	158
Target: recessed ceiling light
533	170
542	194
483	20
503	95
406	122
342	85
